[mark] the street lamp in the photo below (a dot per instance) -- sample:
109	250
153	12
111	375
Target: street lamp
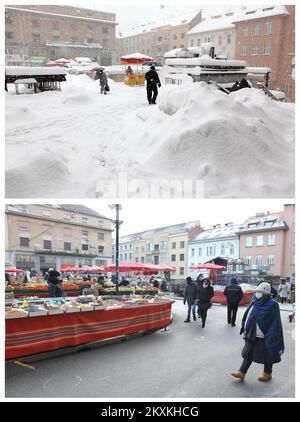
117	223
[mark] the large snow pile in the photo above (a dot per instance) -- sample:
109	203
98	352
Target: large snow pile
75	142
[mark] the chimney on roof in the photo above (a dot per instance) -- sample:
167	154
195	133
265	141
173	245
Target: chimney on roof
260	214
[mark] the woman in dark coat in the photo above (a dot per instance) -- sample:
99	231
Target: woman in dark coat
262	333
205	294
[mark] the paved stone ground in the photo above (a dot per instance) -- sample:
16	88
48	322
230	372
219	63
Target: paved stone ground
184	362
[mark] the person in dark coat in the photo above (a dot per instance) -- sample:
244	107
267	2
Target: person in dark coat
190	296
102	81
54	284
234	294
263	334
205	294
152	81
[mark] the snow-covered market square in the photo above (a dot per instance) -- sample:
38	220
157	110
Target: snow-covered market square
204	134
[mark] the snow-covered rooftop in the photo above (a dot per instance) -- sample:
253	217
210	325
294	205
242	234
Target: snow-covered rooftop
21	70
214	23
217	232
265	221
259	12
172	19
60	15
75	45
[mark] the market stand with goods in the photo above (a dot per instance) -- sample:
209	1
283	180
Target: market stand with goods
135	58
37	325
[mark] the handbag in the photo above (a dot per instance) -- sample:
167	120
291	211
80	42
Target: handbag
107	88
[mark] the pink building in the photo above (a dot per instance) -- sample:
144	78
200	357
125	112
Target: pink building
265	37
267	242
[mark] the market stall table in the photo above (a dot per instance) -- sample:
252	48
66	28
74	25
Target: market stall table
31	335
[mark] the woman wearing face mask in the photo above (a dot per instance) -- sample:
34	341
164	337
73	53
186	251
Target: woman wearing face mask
263	334
205	294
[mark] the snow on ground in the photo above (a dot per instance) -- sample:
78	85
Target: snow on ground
75	142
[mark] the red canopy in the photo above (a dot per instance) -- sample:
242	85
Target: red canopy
208	266
165	268
125	267
93	269
13	270
135	58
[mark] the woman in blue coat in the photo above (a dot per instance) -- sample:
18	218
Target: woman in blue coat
263	334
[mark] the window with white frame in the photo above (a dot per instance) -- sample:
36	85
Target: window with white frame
268	28
231	249
249	241
222	249
271	259
228	39
255	50
84	220
256	30
248	260
245	31
259	259
272	239
267	49
259	241
192	252
244	51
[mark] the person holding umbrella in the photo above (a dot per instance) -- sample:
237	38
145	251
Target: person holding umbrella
152	81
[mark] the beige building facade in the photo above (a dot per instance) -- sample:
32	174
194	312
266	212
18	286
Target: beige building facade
36	34
165	245
156	39
43	236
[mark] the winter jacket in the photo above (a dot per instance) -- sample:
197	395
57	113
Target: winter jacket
283	290
233	292
204	297
53	277
103	79
190	293
152	78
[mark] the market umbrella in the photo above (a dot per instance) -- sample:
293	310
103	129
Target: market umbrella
13	270
135	58
92	269
209	266
165	268
69	268
125	267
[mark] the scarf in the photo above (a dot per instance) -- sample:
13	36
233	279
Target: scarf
266	314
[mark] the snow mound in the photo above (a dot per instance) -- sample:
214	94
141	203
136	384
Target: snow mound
242	143
48	171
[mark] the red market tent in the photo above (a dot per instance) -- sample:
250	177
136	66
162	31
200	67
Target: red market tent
93	269
13	270
125	267
165	268
209	266
135	58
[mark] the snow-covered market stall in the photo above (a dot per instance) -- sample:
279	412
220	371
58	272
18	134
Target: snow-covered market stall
137	77
40	78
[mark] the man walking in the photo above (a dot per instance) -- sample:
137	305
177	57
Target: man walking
190	296
234	294
152	81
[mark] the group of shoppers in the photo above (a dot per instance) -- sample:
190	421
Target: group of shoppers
261	322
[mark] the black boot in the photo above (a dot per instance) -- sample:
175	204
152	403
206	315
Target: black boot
187	320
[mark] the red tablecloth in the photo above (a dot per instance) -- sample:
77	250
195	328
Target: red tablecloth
31	335
220	298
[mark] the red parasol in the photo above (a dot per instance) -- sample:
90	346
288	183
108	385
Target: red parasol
165	268
210	266
125	267
135	58
13	270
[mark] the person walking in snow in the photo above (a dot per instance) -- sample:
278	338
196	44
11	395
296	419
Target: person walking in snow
205	294
263	334
190	296
102	81
152	81
234	294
